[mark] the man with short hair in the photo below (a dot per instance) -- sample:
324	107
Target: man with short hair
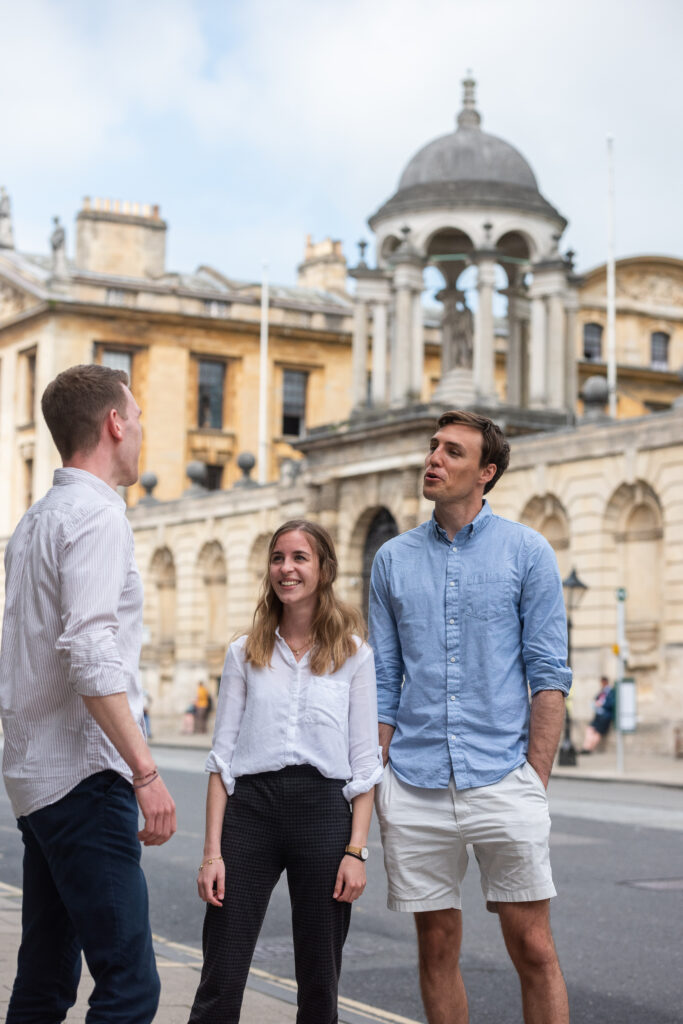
467	617
76	764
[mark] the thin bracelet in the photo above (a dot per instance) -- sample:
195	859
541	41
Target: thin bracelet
142	785
137	778
208	862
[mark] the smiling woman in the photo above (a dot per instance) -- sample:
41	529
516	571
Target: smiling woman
295	744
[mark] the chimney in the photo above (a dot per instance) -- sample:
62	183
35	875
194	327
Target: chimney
324	266
120	238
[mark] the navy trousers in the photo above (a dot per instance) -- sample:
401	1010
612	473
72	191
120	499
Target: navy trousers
84	890
291	820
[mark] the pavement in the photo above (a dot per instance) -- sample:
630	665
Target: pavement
268	998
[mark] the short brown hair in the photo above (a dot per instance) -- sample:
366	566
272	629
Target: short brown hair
76	403
494	448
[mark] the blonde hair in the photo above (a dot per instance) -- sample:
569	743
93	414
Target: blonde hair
334	622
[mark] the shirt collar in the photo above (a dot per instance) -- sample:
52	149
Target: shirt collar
469	529
71	475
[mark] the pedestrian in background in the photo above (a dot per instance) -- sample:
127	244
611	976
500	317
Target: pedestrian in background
76	765
202	708
295	745
604	707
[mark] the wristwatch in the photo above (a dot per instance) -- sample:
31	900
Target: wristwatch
361	852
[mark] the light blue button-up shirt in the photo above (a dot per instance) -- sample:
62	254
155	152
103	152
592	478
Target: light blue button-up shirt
462	630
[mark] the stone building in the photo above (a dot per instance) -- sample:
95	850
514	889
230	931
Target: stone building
606	493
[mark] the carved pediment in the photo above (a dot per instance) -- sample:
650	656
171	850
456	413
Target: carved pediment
655	288
14	300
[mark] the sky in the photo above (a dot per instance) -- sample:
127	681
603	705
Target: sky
255	122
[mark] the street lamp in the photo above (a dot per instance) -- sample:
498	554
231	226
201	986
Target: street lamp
574	589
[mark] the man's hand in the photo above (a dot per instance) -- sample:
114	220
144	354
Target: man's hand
386	733
158	810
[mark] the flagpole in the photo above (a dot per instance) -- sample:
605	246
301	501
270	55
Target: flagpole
263	383
611	286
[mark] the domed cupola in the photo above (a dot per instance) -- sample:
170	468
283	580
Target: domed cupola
467	168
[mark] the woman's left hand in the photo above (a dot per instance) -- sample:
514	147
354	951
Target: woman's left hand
350	880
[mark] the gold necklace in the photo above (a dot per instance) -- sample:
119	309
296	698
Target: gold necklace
296	651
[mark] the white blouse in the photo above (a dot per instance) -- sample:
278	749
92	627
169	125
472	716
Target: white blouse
281	715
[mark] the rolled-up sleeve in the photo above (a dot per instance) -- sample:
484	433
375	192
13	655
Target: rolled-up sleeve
385	643
365	757
544	621
232	700
96	552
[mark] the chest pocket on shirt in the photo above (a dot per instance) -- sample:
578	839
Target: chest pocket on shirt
327	702
488	595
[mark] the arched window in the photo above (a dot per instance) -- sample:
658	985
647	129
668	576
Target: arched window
213	574
382	528
659	350
592	342
162	572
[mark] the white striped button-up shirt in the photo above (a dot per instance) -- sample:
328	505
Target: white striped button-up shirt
72	627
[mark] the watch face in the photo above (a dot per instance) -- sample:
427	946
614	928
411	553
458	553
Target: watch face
364	853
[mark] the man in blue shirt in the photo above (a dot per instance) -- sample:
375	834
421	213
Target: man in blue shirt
466	621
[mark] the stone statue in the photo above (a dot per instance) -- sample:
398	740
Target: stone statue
6	235
58	236
58	243
457	330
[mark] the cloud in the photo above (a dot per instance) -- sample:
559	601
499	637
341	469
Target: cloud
305	113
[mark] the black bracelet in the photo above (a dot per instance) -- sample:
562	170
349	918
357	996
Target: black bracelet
347	853
141	785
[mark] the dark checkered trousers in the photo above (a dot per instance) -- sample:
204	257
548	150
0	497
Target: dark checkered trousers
292	820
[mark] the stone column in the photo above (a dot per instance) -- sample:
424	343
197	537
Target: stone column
538	371
418	348
556	353
359	355
408	354
379	353
548	336
515	354
571	308
484	346
373	290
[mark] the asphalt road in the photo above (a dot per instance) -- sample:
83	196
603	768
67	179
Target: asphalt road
618	919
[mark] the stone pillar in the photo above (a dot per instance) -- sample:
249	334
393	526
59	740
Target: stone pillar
548	336
379	353
359	355
571	382
418	348
538	371
514	369
373	292
408	354
484	346
556	353
400	363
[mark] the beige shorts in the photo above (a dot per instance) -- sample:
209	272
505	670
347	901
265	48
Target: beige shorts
425	833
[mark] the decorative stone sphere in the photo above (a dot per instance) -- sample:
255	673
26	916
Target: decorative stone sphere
149	481
196	471
595	391
246	462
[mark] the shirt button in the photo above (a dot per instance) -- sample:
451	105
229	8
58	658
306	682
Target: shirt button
454	549
452	736
452	583
451	621
452	698
452	659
